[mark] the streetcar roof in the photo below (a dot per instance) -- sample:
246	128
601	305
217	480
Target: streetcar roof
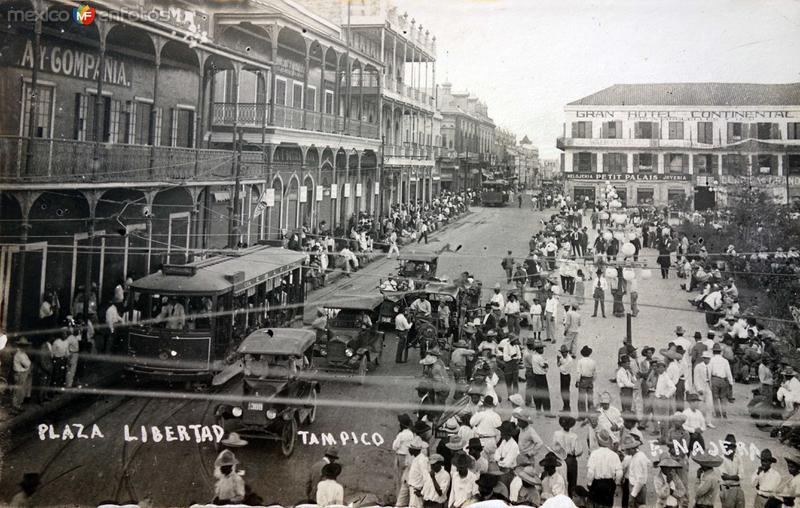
442	288
222	273
493	183
282	342
425	257
355	302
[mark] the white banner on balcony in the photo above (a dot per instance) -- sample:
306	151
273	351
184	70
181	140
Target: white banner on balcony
261	206
320	192
346	190
334	191
359	190
304	194
377	188
269	197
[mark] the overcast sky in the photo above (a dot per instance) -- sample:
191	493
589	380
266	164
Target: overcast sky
527	58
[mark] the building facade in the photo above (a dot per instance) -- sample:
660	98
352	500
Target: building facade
684	144
468	137
155	132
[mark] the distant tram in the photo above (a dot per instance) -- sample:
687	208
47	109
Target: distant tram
194	316
494	193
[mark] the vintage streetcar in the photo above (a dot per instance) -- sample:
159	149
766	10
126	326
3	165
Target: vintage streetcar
494	193
352	340
194	316
277	367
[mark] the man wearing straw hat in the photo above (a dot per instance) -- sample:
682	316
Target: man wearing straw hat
636	465
485	424
730	490
669	488
604	471
528	439
708	480
415	474
524	488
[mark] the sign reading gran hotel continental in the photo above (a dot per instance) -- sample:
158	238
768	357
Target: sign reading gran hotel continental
687	115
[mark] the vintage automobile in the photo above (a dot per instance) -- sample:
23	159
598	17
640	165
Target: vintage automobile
418	265
276	365
352	342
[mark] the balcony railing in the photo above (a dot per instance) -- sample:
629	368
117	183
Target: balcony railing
63	160
568	142
253	115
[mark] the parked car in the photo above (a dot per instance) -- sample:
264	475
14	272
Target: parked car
353	341
418	265
276	365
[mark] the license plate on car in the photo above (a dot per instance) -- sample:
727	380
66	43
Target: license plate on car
255	406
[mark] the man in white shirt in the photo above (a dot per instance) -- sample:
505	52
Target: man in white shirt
400	446
675	370
572	323
329	491
22	370
721	381
436	486
702	386
393	245
626	382
550	316
485	424
610	418
498	297
401	327
417	471
789	392
603	471
508	449
537	389
663	398
585	370
566	363
421	306
599	290
636	466
463	482
766	480
695	423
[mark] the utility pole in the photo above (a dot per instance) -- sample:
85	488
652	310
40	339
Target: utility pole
235	210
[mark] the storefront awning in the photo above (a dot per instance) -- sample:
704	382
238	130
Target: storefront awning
220	196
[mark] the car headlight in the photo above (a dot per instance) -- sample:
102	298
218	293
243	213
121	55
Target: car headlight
348	352
237	412
271	414
397	309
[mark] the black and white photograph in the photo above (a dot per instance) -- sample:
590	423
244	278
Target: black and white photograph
400	253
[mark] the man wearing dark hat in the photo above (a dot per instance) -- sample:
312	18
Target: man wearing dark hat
566	362
731	469
586	369
767	481
566	440
626	382
479	463
537	391
553	484
463	482
329	491
315	473
507	449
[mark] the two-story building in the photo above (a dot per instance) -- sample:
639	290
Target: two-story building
154	131
683	143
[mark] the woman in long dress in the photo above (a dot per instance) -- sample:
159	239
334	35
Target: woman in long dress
618	291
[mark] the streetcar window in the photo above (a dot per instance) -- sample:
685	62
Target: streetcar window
169	312
200	311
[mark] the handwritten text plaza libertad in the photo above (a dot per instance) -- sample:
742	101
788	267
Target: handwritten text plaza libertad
144	433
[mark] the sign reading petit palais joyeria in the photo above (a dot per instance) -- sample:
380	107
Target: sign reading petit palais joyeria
629	177
698	115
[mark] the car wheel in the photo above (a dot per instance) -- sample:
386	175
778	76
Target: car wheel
312	415
288	437
362	370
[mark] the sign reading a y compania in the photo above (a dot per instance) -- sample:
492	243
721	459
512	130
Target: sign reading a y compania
74	63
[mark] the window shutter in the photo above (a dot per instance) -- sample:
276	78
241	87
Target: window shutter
80	112
638	129
636	162
594	163
618	124
775	131
656	130
157	136
574	129
575	164
173	136
113	135
753	131
604	129
730	132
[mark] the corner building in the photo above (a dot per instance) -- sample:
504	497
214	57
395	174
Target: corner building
691	145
